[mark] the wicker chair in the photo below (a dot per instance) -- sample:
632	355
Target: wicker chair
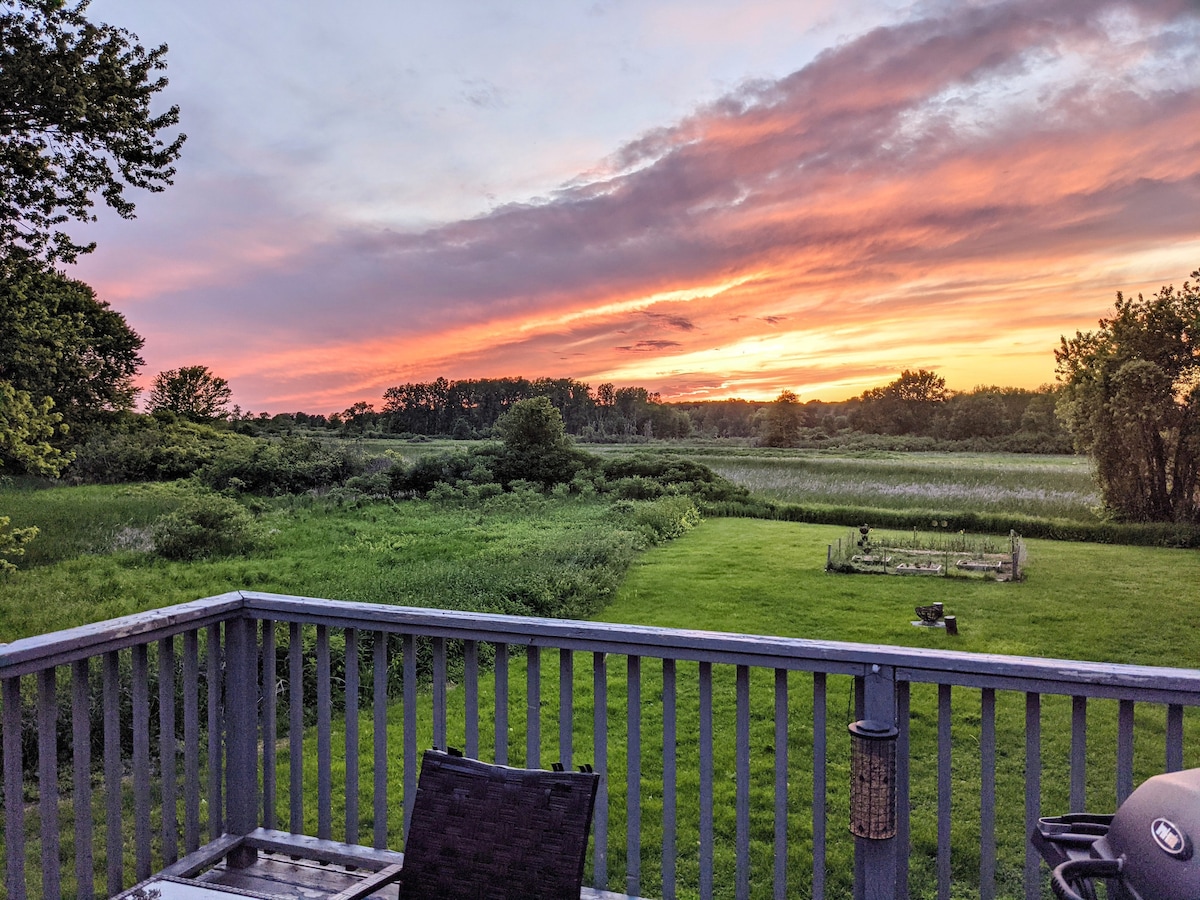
488	832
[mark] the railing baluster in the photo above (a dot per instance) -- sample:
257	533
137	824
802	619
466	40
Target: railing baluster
471	698
781	783
670	722
409	666
167	754
114	839
533	707
14	791
987	794
903	786
1174	737
501	680
1078	800
819	785
295	727
47	726
379	733
943	792
706	781
439	692
742	785
600	761
351	716
1124	750
566	708
140	689
633	776
1033	791
270	725
324	737
81	749
191	741
216	733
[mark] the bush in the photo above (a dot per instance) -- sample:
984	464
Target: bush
660	520
629	475
207	525
289	465
150	448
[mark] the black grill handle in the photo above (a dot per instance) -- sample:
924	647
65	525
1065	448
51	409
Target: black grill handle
1074	869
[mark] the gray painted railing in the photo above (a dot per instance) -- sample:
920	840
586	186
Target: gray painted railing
725	757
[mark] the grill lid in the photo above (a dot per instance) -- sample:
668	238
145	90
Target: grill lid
1154	831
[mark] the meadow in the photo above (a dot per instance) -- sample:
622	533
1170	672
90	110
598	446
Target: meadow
1050	487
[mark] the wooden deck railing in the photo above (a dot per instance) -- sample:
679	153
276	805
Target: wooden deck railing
725	757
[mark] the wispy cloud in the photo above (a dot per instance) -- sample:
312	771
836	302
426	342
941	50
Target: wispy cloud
951	192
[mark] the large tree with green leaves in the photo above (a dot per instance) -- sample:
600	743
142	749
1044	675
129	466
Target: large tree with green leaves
1131	400
75	123
192	392
58	341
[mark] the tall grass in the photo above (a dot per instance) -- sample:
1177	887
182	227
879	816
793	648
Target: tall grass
1046	487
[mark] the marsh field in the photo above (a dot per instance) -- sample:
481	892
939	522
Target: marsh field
588	557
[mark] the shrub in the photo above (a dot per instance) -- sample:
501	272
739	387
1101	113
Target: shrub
207	525
289	465
662	519
150	448
675	474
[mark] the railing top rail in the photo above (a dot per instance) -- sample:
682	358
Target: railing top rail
1158	683
915	664
58	648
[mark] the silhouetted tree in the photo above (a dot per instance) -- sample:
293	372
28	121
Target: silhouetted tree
783	420
192	392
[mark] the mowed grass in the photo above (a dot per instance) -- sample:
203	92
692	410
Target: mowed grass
1052	487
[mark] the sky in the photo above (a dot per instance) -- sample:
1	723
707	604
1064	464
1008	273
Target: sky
705	198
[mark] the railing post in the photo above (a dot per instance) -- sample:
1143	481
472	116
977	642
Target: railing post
875	859
241	739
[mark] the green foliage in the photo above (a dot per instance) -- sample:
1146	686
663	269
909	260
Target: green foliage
192	392
289	465
151	448
1131	400
628	475
75	121
535	445
25	430
662	519
12	542
204	526
58	341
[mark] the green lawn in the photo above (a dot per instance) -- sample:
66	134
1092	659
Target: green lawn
1079	601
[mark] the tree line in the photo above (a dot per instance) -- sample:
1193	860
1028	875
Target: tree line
917	405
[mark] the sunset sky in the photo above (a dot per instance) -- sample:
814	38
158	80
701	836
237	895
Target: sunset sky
706	198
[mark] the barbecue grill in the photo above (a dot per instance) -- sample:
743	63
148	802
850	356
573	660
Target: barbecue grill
1143	851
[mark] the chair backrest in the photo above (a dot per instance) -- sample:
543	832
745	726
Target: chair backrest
496	833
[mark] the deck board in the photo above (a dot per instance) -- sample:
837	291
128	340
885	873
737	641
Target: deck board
284	877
